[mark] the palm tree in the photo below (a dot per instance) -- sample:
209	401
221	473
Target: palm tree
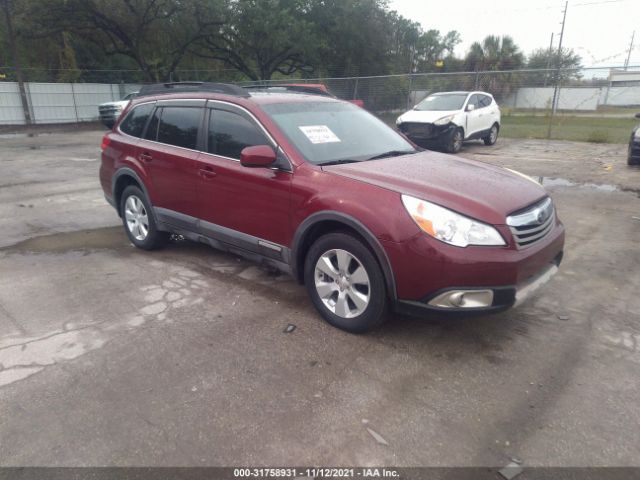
494	54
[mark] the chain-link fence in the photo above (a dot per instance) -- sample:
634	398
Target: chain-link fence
575	90
587	91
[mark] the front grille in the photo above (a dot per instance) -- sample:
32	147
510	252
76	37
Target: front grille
533	223
105	110
420	130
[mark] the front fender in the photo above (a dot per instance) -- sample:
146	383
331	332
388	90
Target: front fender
306	227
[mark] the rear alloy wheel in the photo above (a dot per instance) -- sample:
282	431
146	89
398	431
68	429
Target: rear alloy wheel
139	224
345	283
492	138
455	141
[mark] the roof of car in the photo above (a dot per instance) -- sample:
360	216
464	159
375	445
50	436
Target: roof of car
457	92
255	97
462	92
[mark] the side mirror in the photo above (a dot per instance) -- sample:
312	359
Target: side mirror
258	156
471	107
637	115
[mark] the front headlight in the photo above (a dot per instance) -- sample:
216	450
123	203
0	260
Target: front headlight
399	120
636	134
444	120
450	227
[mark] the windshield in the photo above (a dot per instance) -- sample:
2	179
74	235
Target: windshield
442	102
330	132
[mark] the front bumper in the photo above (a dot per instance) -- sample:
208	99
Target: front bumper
424	134
426	270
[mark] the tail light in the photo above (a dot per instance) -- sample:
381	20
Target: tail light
105	142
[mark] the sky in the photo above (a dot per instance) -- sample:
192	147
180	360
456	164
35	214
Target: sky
598	30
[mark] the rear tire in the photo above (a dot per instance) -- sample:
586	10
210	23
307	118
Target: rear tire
345	283
492	138
455	141
139	223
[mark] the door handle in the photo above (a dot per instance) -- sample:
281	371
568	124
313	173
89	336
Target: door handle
145	157
207	173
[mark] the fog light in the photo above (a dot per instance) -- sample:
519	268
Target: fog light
463	299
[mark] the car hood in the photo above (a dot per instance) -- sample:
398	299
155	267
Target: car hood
425	116
476	189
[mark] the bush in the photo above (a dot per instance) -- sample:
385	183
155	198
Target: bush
598	136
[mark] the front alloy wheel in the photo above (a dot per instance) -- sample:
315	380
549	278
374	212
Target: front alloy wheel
342	283
345	282
455	141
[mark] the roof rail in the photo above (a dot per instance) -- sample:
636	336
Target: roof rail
308	90
180	87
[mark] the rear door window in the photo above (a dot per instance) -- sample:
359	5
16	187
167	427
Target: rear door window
179	126
230	132
136	120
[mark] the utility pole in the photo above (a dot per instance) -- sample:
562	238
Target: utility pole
546	73
626	63
555	90
6	6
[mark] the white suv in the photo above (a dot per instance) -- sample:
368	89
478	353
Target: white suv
445	120
110	111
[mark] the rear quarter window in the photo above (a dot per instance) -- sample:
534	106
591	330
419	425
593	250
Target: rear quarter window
135	121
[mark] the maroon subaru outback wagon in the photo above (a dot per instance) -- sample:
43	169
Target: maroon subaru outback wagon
322	189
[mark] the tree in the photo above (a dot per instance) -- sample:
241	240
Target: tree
9	12
355	37
494	53
155	34
433	47
568	61
262	37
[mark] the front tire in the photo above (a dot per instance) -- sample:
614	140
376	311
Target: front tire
139	223
492	137
455	141
345	283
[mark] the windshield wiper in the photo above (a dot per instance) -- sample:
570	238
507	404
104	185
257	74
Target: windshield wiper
392	153
338	162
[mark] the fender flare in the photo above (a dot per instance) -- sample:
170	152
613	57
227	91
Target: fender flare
127	172
297	264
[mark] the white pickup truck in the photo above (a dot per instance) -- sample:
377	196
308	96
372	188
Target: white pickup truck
110	111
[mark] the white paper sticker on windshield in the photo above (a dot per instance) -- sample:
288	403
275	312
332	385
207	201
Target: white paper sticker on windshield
319	134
